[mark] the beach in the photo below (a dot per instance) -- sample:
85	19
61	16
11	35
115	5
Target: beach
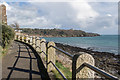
106	61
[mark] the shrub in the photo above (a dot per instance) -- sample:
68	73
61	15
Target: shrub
7	35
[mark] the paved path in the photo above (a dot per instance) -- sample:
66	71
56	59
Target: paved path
21	63
0	67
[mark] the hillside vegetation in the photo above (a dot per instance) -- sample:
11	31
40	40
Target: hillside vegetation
58	32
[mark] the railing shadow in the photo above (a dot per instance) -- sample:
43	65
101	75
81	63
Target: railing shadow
25	70
9	75
44	74
79	61
30	71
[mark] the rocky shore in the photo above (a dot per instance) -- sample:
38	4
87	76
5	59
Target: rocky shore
108	62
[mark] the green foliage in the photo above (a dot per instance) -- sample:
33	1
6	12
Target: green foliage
0	50
7	35
66	71
58	32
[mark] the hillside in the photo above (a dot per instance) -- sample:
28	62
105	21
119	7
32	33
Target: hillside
58	32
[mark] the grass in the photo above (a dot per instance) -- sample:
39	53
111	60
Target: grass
66	71
1	51
5	50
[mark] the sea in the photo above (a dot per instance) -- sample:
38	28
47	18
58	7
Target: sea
103	43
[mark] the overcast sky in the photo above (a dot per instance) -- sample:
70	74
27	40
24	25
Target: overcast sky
98	17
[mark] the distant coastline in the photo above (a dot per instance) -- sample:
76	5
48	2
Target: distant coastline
58	33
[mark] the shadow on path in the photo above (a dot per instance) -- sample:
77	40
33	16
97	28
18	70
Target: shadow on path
42	70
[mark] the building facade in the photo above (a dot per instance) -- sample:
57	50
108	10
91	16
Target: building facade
3	16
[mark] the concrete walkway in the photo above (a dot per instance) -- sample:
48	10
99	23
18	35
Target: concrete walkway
21	63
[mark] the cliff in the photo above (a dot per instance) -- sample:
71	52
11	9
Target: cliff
58	32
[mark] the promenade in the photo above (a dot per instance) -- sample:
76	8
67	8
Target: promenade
31	58
20	63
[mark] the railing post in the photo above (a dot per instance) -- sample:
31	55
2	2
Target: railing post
33	42
22	38
79	71
38	44
18	37
51	52
15	37
30	40
26	38
42	47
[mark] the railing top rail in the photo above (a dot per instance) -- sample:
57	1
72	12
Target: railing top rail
103	73
66	53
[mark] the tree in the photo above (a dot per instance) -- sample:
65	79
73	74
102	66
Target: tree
15	26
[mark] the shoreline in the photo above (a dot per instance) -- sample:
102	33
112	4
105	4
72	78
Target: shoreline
106	61
79	49
50	36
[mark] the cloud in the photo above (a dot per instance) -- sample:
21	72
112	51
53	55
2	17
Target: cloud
25	15
7	6
109	15
84	10
49	15
60	0
84	13
104	27
69	15
91	17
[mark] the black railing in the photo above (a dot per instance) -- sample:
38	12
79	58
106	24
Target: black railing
74	70
66	53
101	72
58	70
51	61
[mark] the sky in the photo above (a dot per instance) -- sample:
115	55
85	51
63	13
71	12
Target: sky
96	17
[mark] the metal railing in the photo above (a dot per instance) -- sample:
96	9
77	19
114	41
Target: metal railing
95	69
101	72
66	53
47	63
58	70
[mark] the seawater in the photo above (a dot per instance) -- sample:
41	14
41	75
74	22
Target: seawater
103	43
